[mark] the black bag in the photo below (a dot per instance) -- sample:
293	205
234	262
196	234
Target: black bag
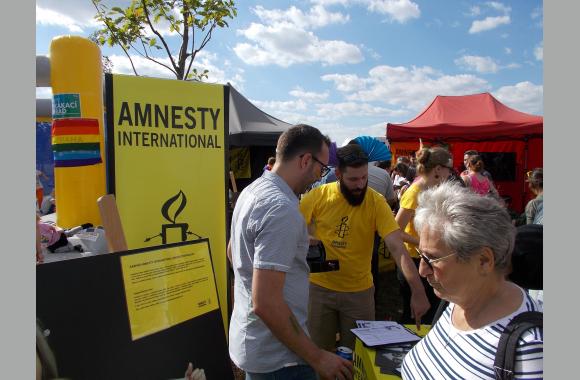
505	355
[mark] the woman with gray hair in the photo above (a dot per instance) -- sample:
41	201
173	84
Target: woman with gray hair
466	242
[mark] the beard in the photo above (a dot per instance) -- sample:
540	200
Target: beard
352	198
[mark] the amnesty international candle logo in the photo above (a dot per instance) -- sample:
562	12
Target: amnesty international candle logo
177	202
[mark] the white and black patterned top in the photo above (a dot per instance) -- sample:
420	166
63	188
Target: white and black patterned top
449	353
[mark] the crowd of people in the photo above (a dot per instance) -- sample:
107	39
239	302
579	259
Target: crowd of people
450	235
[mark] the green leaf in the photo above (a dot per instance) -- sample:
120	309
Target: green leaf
152	42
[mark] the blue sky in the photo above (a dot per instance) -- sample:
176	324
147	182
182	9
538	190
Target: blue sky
350	66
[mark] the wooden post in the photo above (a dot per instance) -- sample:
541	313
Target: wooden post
112	223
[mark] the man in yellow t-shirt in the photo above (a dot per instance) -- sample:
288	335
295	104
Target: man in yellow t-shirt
344	216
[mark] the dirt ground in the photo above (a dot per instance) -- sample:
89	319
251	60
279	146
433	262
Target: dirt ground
388	305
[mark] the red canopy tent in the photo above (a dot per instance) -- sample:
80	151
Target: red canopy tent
477	122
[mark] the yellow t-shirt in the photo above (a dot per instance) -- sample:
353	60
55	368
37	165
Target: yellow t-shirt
409	201
347	233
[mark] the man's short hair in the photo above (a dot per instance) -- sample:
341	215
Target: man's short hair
384	164
351	155
299	139
471	152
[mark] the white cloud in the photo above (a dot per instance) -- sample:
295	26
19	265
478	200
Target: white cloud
371	52
344	109
478	64
80	12
345	82
204	60
331	2
499	7
538	15
309	96
488	23
339	132
539	51
398	10
290	111
512	65
316	17
474	11
524	97
410	89
284	45
282	106
48	17
507	50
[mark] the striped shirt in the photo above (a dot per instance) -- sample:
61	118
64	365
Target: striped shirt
449	353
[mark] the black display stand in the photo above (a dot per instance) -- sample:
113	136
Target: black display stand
82	303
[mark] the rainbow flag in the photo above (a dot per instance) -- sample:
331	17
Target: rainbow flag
75	142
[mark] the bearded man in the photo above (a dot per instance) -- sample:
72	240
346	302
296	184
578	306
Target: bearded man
344	216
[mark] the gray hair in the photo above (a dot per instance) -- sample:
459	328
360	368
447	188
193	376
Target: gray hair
467	222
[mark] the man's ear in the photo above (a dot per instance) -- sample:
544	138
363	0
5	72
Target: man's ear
337	173
305	159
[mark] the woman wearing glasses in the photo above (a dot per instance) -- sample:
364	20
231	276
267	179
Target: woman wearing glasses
434	166
466	243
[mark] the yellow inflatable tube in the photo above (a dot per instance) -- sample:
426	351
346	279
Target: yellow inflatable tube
78	130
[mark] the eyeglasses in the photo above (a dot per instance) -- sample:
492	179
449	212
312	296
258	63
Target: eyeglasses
325	169
353	157
429	261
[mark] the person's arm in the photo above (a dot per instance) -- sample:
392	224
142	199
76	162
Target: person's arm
312	239
390	195
530	355
466	180
270	306
404	216
492	188
229	252
530	211
419	302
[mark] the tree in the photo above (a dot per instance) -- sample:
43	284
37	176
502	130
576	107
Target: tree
105	60
137	28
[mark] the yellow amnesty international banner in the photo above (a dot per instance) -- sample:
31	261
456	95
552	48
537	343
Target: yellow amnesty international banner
167	286
166	164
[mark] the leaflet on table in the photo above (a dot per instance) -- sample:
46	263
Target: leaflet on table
374	324
389	334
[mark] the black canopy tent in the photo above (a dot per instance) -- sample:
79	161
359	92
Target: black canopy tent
249	125
255	130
